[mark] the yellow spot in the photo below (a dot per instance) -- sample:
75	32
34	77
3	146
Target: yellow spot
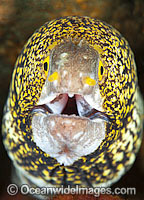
71	175
53	77
92	160
40	160
51	46
106	172
24	133
59	172
12	103
14	114
97	48
120	166
69	170
37	162
89	81
45	172
50	168
84	159
46	155
61	175
77	182
70	179
77	177
26	146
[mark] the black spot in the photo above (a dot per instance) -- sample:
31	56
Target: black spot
65	184
22	126
54	171
45	66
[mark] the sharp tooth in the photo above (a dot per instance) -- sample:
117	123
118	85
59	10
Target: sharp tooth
82	106
57	105
70	95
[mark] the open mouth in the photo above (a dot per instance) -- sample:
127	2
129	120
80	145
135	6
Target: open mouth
76	105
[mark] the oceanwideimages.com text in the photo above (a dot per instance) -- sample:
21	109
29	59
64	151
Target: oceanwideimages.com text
25	189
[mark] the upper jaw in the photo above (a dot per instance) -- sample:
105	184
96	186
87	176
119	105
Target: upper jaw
58	103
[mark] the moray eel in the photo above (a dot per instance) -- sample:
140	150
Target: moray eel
74	111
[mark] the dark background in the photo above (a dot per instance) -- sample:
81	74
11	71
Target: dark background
19	19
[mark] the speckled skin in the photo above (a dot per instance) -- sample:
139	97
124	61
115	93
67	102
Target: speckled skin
118	88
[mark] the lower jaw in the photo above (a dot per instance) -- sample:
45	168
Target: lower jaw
63	128
66	137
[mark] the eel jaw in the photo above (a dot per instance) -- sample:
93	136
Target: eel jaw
68	128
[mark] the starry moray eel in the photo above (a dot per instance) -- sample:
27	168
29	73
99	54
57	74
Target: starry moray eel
74	111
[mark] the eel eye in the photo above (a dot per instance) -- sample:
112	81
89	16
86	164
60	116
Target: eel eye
46	65
89	81
101	71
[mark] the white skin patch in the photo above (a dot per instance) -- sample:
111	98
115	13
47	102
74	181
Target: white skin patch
64	73
63	55
63	59
52	123
85	57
